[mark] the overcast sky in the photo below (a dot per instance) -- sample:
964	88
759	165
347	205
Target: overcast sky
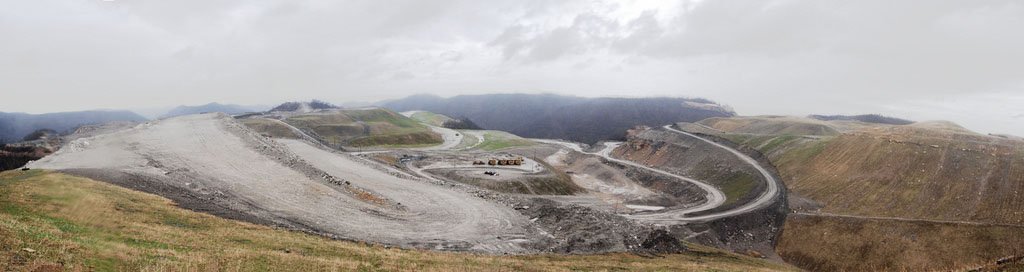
925	60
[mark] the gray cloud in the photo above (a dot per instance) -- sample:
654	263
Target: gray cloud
938	61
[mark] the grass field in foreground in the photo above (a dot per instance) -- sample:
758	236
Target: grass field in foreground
52	220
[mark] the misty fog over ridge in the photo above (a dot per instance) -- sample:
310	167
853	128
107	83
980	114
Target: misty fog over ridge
957	61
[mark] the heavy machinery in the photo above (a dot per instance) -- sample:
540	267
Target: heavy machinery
516	161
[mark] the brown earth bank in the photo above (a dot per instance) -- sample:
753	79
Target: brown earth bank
924	176
826	243
755	233
926	171
906	174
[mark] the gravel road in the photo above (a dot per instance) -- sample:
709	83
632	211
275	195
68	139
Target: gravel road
715	197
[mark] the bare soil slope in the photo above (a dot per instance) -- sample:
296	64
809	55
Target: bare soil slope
214	161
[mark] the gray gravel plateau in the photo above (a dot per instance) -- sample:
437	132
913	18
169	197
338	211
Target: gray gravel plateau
214	164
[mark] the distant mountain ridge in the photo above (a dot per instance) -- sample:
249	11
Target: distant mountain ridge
579	119
211	107
305	106
15	126
866	118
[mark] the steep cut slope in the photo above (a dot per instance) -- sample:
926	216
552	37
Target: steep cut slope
912	172
931	174
693	158
364	128
576	119
211	163
14	126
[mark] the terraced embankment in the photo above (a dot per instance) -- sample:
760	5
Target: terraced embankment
364	128
754	192
745	204
924	196
210	162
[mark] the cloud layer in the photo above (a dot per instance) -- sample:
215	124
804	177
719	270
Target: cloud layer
954	60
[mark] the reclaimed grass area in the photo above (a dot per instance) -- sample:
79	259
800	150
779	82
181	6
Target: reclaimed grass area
497	140
55	221
469	139
269	127
375	127
430	118
770	125
738	186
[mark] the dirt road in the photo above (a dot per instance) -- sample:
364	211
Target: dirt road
715	196
770	193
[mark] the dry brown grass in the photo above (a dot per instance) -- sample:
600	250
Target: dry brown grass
932	170
911	175
775	125
80	224
849	244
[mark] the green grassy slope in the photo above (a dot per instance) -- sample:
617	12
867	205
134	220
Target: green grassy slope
366	128
430	118
496	140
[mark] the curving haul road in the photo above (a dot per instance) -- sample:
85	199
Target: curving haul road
715	197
